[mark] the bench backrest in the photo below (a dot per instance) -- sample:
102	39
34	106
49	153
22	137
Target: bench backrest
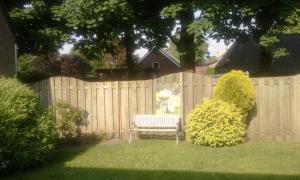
153	121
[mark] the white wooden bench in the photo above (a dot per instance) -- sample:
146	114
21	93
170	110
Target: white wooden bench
155	123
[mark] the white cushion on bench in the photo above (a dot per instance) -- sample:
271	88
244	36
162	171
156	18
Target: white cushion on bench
156	123
153	121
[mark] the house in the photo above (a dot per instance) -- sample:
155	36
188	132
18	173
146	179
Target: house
206	65
158	62
7	45
246	56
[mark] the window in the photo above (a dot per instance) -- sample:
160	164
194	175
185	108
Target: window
155	65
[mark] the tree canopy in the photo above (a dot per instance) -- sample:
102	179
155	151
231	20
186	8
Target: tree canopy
135	23
43	26
260	20
37	32
190	30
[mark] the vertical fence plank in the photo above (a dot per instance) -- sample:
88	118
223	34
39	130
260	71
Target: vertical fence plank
101	107
198	90
116	109
133	109
88	106
188	93
124	107
81	101
149	97
94	107
141	96
254	118
52	91
295	105
109	116
276	110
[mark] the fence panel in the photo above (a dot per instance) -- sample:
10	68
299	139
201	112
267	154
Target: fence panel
110	106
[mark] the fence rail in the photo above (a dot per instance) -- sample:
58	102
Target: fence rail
112	105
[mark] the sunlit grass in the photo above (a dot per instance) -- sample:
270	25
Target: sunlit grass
163	159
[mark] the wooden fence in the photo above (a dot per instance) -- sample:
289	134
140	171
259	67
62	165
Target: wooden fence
112	105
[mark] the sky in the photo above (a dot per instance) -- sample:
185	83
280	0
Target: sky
214	48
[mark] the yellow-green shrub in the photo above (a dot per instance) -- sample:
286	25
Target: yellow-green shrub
237	88
216	123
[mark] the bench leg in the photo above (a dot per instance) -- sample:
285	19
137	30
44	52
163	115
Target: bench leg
130	136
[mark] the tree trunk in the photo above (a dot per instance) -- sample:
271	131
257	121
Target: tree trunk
186	44
263	26
265	61
129	46
186	51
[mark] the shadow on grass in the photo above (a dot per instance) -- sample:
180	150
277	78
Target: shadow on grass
56	158
98	173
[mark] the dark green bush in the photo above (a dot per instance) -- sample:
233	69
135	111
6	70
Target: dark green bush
35	68
74	66
31	68
27	131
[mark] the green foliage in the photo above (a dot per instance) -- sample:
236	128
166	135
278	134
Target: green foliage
37	31
31	68
69	120
261	21
35	68
173	10
268	40
216	123
27	131
101	22
280	52
210	71
189	38
74	66
237	88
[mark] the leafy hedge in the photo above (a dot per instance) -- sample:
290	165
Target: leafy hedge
69	120
32	68
222	120
237	88
216	123
27	131
74	66
35	68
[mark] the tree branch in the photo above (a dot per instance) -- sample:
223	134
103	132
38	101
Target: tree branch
174	40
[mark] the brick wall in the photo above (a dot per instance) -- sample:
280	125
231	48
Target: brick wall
7	49
166	66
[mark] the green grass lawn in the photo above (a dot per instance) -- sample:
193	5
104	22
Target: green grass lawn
163	159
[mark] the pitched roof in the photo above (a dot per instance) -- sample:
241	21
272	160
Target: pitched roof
224	59
165	53
246	54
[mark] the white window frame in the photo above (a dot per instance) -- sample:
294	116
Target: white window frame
156	63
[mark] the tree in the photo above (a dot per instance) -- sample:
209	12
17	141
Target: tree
190	30
37	32
144	23
260	20
201	51
101	22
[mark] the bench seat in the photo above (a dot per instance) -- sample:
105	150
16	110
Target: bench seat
158	123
